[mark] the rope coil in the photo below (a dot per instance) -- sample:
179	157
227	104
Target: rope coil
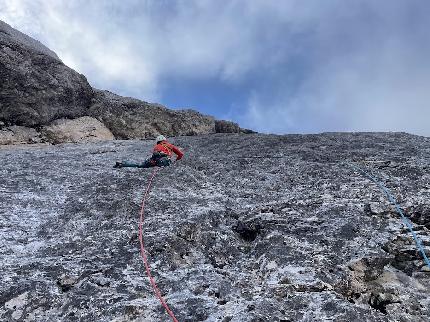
143	253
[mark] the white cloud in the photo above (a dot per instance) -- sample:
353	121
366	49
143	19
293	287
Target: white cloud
138	46
367	76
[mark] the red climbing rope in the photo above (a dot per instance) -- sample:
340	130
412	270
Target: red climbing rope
142	249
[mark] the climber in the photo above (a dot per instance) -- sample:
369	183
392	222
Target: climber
161	155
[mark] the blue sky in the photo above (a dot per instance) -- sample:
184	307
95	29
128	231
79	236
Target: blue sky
274	66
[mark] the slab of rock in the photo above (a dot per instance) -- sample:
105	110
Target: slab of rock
275	233
83	129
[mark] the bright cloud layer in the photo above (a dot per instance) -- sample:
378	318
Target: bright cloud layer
274	66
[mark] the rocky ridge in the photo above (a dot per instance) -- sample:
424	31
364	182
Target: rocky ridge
130	118
37	89
244	228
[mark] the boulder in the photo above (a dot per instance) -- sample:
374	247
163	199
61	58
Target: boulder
83	129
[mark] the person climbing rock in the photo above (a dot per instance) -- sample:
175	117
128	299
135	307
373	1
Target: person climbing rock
161	155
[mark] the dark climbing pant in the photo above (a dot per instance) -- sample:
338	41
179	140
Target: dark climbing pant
155	161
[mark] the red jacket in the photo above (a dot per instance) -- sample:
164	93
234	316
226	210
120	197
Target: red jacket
167	148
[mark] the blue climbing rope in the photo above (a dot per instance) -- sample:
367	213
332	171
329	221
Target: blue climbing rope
406	221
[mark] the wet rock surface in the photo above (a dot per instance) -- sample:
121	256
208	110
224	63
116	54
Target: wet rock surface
244	228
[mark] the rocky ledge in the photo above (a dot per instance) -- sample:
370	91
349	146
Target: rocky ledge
244	228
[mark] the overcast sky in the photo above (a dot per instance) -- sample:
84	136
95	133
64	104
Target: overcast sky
292	66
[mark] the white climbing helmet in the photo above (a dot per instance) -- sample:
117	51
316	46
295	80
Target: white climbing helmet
160	138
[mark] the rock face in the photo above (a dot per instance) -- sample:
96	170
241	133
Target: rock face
244	228
83	129
129	118
36	87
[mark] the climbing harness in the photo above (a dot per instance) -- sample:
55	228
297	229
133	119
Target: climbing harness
393	201
142	249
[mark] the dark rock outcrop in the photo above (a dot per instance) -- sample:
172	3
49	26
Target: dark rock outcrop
129	118
222	126
36	87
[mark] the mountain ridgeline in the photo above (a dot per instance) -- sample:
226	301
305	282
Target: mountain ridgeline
43	100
